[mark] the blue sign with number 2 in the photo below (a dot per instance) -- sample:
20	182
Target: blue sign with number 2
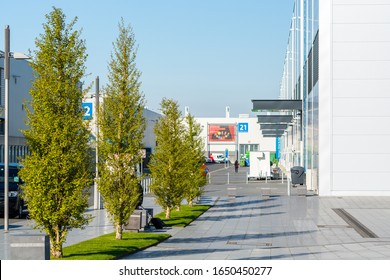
87	106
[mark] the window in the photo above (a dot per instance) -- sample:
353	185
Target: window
244	148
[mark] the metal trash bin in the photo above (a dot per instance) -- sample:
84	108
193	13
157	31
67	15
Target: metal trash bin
297	175
135	221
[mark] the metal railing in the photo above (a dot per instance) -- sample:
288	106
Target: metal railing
228	178
146	182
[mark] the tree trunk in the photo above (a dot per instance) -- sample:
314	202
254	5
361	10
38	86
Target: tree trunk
190	203
167	213
55	252
56	246
119	230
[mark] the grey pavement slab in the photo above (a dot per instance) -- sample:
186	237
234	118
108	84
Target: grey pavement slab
100	225
280	227
251	226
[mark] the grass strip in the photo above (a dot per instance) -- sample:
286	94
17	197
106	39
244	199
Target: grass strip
106	247
183	217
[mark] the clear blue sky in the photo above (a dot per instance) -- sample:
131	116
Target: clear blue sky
206	54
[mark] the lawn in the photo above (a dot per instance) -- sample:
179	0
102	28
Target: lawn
106	247
183	217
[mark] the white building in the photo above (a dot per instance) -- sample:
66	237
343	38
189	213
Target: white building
19	85
149	140
234	135
338	65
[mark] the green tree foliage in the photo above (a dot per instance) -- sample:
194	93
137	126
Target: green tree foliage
122	128
167	164
194	157
57	173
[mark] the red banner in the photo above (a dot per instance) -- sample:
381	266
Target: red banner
222	132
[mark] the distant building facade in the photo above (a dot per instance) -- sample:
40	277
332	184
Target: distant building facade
21	76
234	136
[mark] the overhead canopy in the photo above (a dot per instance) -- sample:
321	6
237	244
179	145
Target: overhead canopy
272	135
273	126
274	119
276	105
272	131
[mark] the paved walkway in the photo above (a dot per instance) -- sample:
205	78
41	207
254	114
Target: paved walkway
282	227
100	225
259	221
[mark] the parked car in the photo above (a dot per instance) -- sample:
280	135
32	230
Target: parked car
219	158
15	201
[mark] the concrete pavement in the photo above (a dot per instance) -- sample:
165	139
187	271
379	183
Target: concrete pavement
100	225
257	220
281	227
261	222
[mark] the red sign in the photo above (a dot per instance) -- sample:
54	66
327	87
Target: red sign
222	132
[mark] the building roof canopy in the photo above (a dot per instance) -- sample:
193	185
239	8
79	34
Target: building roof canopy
260	105
273	126
274	119
272	135
272	131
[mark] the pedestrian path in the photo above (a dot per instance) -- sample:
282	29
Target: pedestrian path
99	225
281	227
251	225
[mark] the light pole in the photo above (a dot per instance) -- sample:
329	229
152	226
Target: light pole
6	125
96	200
7	56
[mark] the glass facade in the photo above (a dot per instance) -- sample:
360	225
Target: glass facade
300	81
1	86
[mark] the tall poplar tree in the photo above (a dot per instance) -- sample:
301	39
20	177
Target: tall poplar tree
57	173
122	127
194	154
168	169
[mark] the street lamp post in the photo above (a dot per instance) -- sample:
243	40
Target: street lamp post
96	201
7	56
6	124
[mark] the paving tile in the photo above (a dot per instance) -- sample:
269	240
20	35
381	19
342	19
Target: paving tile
264	254
280	227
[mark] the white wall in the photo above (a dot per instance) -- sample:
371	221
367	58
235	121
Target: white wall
149	136
354	97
